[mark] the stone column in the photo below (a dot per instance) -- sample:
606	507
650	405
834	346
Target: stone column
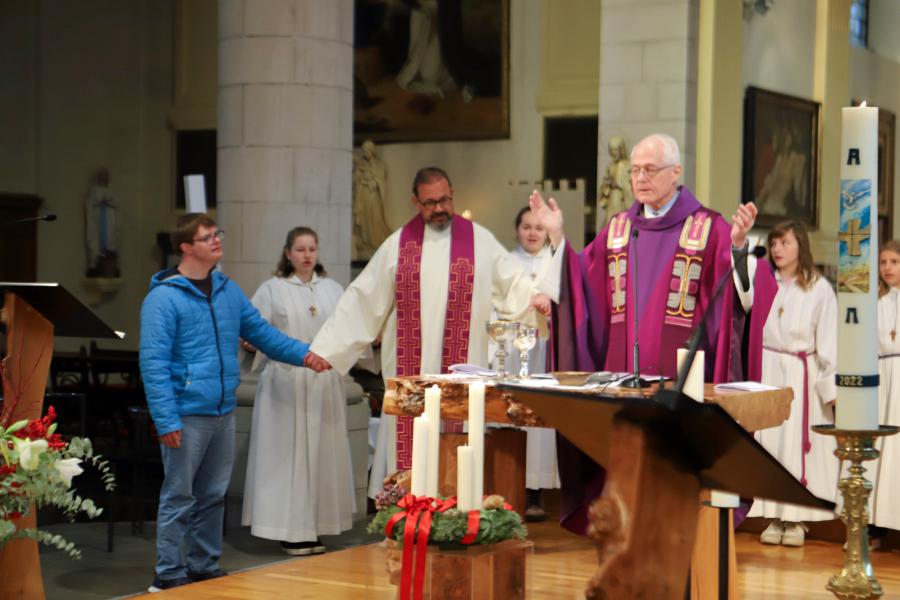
285	131
648	74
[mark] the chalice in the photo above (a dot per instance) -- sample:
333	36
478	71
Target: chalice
525	340
500	330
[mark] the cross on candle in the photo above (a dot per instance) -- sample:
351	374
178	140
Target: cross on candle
854	236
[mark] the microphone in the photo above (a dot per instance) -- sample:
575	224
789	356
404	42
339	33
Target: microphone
634	380
757	251
47	217
694	343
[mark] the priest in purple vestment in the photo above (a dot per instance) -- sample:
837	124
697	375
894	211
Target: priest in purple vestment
682	249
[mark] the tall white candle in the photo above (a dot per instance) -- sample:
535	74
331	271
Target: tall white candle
857	364
476	438
433	412
693	384
464	498
419	456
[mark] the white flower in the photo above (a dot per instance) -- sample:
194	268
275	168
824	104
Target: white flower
30	452
68	468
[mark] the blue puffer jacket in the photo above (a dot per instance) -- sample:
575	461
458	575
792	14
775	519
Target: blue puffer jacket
189	346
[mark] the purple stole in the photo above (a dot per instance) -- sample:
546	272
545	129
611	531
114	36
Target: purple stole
407	291
681	289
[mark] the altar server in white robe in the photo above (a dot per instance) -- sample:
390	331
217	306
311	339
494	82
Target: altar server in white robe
800	351
533	252
886	504
428	291
299	483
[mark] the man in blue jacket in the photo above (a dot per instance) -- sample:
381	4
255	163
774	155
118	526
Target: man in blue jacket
191	322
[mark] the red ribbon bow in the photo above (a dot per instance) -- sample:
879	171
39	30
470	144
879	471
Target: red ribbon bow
417	510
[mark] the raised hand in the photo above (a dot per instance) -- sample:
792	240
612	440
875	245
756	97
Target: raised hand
549	215
741	223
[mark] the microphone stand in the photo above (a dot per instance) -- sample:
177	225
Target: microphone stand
49	217
694	343
634	380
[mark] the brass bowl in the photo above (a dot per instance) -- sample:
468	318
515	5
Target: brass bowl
571	377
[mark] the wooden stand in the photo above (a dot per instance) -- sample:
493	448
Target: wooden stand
645	521
29	341
33	313
494	572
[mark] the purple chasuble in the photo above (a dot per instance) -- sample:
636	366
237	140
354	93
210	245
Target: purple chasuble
681	257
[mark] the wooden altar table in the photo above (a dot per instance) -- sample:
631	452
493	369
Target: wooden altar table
752	410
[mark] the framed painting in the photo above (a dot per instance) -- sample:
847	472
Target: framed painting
781	145
429	71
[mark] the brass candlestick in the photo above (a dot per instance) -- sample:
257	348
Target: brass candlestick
856	581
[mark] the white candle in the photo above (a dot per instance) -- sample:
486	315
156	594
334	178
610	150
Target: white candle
857	364
464	498
433	412
476	439
693	384
419	456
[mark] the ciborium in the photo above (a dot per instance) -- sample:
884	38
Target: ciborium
501	331
856	581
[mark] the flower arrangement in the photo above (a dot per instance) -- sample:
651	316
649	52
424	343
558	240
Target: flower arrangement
37	468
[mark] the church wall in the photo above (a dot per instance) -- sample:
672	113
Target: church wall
877	80
481	171
779	55
89	84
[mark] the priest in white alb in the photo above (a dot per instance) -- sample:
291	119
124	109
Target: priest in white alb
427	291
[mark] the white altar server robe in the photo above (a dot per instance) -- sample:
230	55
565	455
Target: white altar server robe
299	484
802	321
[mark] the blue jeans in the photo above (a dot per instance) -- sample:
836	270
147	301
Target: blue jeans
192	498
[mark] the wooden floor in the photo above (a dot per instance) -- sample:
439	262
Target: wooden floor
561	565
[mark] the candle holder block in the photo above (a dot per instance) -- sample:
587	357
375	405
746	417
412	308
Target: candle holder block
856	580
456	572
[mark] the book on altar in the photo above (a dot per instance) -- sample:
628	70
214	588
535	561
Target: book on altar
745	386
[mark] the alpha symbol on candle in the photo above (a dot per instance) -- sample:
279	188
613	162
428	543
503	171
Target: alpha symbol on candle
853	156
851	316
854	236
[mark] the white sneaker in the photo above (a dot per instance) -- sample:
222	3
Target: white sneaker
794	534
773	533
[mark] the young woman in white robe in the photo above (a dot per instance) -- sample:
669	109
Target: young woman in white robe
299	482
800	342
885	509
533	253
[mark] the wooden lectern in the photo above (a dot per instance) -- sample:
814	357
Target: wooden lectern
32	314
659	451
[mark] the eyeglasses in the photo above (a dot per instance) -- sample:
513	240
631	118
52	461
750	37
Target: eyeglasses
650	171
444	201
208	239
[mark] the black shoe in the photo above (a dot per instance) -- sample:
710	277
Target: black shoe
159	585
214	574
303	548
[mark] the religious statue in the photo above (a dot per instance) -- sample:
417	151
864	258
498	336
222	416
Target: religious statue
370	228
615	187
101	228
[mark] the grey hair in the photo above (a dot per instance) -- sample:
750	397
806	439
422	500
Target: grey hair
671	154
